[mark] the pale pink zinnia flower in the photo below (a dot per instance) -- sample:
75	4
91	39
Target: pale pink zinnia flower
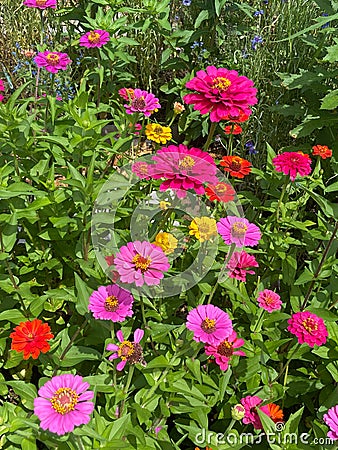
64	402
291	163
269	300
111	303
308	328
221	92
142	101
184	168
225	349
331	420
141	262
141	169
94	38
239	231
52	61
239	264
40	4
128	351
209	323
250	404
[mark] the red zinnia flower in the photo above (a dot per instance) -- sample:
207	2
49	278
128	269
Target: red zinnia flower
222	192
275	412
241	117
237	166
233	129
31	338
322	150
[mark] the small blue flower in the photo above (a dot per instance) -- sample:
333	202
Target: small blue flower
17	45
186	2
197	44
327	24
250	147
258	13
256	40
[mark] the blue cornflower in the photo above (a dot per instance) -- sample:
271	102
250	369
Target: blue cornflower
327	24
250	147
186	2
256	40
258	13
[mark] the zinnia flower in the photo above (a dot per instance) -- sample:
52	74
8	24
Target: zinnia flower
2	86
223	351
178	108
142	101
52	61
166	241
141	169
183	169
141	262
111	303
209	323
128	351
94	38
203	228
269	300
236	166
331	420
308	328
250	404
293	163
233	129
31	338
222	192
127	93
158	133
241	117
40	4
221	92
64	403
239	264
239	231
275	412
322	150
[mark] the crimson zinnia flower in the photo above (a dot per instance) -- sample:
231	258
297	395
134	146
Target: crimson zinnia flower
236	166
308	328
293	163
322	150
31	338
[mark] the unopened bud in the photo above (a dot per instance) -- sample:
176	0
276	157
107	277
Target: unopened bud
238	412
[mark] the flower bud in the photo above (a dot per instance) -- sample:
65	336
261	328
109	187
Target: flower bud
238	412
178	108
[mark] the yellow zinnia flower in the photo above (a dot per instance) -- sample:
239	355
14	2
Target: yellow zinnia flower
157	133
203	228
166	241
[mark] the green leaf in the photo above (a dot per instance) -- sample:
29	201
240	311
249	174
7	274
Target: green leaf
26	391
13	315
330	101
78	354
83	292
203	15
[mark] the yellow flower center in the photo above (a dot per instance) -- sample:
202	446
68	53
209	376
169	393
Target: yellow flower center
141	262
53	59
268	300
221	83
94	37
41	2
310	324
64	400
186	162
143	168
126	349
208	325
111	304
225	349
239	228
221	188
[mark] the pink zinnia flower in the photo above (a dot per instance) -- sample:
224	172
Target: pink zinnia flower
239	264
111	303
209	323
128	351
269	300
239	231
141	262
63	403
250	404
308	328
142	101
331	420
94	38
225	349
141	169
291	163
221	92
52	61
126	93
2	86
184	168
41	4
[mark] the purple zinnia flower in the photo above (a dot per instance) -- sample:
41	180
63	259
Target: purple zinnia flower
111	303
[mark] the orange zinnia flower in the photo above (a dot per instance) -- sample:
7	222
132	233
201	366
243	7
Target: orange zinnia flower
237	166
242	117
31	338
276	413
322	150
233	129
222	192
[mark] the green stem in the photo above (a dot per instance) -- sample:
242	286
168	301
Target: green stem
232	423
227	259
259	320
99	83
126	389
286	182
286	365
210	135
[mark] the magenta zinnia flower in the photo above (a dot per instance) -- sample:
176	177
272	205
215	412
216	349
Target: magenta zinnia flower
184	168
41	4
142	101
291	163
239	264
269	300
52	61
111	303
63	403
95	38
209	323
239	231
221	92
141	169
331	420
308	328
250	404
2	86
128	351
223	351
141	262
